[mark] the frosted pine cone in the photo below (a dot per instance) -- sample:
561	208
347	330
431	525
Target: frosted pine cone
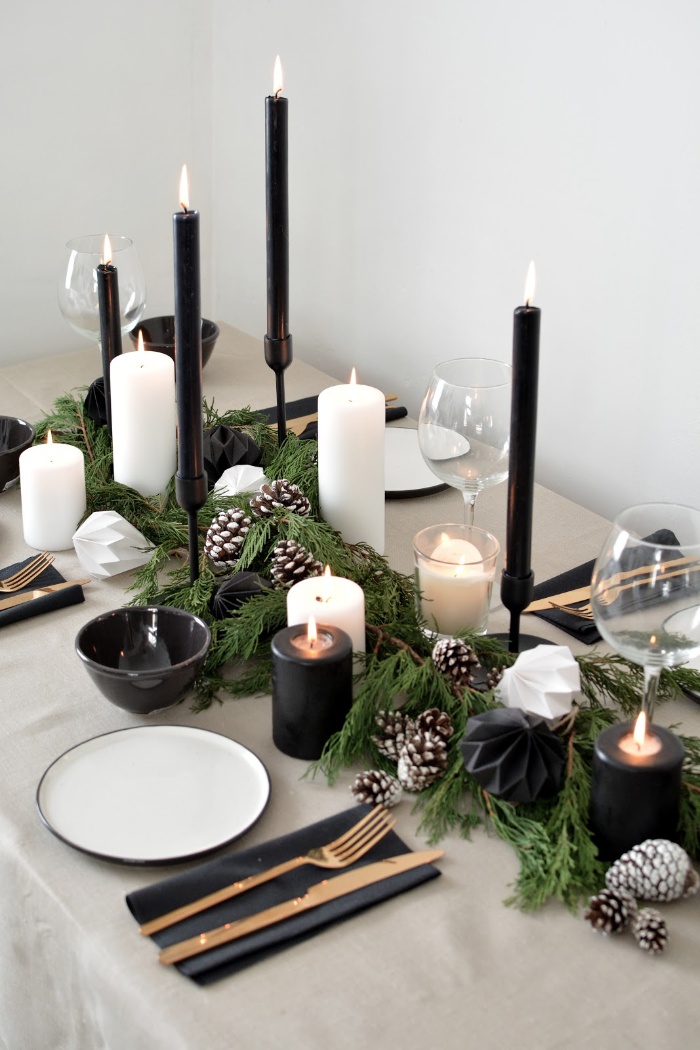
456	660
226	536
436	721
493	677
292	562
376	788
649	929
282	494
422	760
394	729
610	911
656	870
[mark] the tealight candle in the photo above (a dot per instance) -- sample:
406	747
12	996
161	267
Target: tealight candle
351	424
143	419
635	789
332	599
52	483
311	687
455	567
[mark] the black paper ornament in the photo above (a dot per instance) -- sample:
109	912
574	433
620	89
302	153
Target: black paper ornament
95	404
224	447
236	590
513	755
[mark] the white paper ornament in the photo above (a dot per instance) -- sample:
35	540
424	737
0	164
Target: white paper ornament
542	681
241	478
106	544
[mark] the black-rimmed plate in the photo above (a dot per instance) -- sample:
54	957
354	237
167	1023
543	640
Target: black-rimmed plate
406	473
153	794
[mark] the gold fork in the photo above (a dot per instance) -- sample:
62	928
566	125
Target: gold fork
611	593
23	576
340	853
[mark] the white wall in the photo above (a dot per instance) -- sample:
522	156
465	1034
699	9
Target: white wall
435	148
100	105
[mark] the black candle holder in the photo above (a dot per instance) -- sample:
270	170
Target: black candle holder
191	494
278	356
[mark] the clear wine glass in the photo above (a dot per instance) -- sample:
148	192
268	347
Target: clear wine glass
645	589
464	425
77	289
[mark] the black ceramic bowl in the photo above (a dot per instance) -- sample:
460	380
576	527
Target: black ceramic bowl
15	436
159	334
143	658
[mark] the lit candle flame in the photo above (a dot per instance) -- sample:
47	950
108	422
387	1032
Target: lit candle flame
640	730
49	438
311	632
353	378
107	251
327	584
139	344
277	78
184	189
530	284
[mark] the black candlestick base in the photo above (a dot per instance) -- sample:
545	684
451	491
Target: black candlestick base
278	356
516	595
192	494
525	641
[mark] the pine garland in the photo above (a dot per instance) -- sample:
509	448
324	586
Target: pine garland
557	857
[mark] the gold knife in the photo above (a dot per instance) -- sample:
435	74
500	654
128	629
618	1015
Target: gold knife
322	892
39	592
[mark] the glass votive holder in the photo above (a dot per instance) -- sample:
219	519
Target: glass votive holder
455	567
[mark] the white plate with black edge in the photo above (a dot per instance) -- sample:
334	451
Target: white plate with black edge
406	474
153	794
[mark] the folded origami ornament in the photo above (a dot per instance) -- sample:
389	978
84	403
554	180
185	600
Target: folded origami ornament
95	403
224	447
106	544
241	478
542	681
235	591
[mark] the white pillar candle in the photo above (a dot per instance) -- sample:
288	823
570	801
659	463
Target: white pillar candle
329	599
144	420
351	422
52	485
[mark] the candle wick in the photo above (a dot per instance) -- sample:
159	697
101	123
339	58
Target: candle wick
278	92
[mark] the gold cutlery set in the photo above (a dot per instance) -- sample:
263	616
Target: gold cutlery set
24	576
340	853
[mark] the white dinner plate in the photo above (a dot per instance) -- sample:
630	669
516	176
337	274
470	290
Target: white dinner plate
153	794
406	473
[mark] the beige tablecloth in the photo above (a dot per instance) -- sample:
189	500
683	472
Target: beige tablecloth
446	965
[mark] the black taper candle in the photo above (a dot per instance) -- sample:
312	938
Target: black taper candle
517	581
190	480
278	341
110	321
634	796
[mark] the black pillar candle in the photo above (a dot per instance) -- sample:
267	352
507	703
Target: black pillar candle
634	793
190	481
110	321
311	688
278	341
517	581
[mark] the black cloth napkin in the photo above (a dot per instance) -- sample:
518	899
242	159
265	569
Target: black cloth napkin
580	576
47	603
306	406
155	900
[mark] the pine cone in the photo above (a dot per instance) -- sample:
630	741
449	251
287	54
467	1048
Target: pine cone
456	660
395	729
376	788
292	562
494	676
422	760
610	912
279	493
435	721
656	870
226	536
649	929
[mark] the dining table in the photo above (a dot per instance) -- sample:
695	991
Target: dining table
448	964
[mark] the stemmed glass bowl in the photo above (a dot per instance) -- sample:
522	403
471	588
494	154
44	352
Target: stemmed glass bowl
645	589
77	289
464	425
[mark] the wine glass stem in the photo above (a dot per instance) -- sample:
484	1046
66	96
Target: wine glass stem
651	685
469	503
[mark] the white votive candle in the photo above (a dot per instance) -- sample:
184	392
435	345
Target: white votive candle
329	599
144	420
52	486
455	577
351	423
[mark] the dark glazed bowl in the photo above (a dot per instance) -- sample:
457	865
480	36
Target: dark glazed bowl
143	658
15	436
159	334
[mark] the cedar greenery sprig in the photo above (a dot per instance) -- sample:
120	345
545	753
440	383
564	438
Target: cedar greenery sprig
551	838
